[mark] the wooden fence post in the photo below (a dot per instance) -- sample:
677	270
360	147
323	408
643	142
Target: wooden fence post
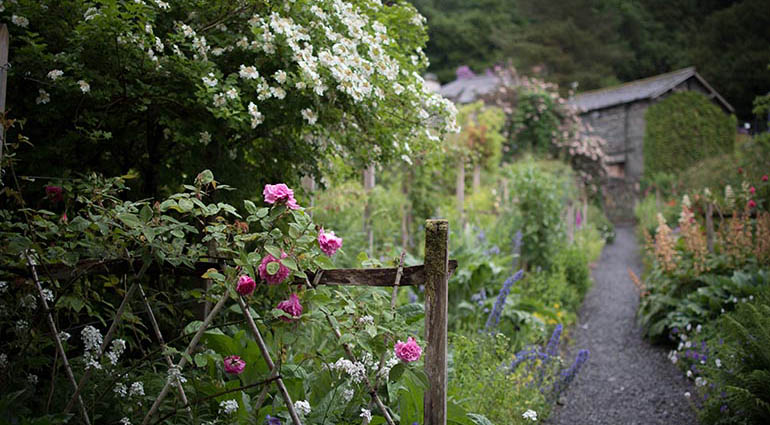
710	227
3	79
436	300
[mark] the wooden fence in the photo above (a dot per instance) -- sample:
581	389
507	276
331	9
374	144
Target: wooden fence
434	274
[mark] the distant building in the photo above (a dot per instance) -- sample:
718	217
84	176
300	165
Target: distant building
617	115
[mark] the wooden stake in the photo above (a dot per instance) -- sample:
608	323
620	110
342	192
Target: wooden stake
4	42
436	300
269	360
57	340
188	351
710	227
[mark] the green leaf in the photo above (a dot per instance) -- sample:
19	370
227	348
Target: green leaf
130	220
146	213
206	177
262	212
273	250
186	205
323	262
250	207
168	204
273	267
288	262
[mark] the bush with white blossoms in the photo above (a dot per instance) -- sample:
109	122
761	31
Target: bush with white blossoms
308	78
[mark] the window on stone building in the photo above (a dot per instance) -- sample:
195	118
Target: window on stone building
617	170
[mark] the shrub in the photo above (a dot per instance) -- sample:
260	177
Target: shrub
683	129
575	264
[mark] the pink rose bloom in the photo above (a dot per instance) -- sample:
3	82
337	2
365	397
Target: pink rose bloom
234	365
54	193
279	276
752	190
292	307
408	351
276	193
764	178
752	204
246	285
328	242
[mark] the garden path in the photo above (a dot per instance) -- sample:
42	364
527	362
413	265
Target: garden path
626	380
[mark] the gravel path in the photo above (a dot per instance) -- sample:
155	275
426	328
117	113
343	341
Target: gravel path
626	380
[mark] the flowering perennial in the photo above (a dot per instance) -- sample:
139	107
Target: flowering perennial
292	307
408	351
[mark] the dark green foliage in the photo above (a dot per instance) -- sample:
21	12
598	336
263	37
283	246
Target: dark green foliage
682	129
741	343
575	264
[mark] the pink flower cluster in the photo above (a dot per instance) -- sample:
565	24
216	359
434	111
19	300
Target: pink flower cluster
234	365
328	242
54	193
279	276
280	193
292	307
408	351
246	285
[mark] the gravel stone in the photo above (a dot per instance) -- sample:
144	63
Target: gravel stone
626	380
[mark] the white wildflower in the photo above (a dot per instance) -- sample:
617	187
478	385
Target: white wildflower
366	414
32	379
347	395
689	374
310	117
210	80
248	73
700	381
125	421
219	100
22	326
175	376
277	92
118	347
687	394
162	4
91	13
92	339
231	93
718	362
64	336
357	370
20	21
302	407
228	407
204	137
217	51
187	31
48	295
3	360
137	389
55	73
698	328
256	117
120	389
280	76
530	415
366	320
3	287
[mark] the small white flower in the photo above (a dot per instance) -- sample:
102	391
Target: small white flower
366	320
698	328
137	389
219	100
280	76
91	13
366	414
21	326
687	394
20	21
700	381
3	287
310	117
228	407
125	421
530	415
175	375
55	73
204	137
302	407
64	336
32	379
210	80
48	295
277	92
120	389
231	93
3	360
162	4
217	51
718	362
248	73
689	374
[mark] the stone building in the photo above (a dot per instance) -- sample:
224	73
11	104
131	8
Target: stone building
617	115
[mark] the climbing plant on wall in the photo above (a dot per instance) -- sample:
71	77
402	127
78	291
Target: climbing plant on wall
683	129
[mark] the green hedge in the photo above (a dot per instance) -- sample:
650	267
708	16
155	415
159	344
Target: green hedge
683	129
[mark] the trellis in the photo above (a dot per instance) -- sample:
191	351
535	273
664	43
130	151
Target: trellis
434	274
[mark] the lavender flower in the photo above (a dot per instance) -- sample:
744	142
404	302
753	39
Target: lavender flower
552	349
494	317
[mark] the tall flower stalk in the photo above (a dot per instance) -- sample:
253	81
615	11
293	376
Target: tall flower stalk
494	316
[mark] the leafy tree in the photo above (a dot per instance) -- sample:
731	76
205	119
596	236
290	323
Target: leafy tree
254	90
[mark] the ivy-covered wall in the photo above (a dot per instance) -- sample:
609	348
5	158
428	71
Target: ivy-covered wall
682	129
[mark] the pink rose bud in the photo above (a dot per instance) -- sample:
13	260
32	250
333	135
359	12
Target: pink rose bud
408	351
278	193
292	307
764	178
279	276
752	190
752	204
328	242
246	285
234	365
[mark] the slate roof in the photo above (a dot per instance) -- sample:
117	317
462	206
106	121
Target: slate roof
646	88
467	90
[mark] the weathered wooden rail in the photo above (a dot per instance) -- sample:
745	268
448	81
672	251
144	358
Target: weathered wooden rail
434	275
